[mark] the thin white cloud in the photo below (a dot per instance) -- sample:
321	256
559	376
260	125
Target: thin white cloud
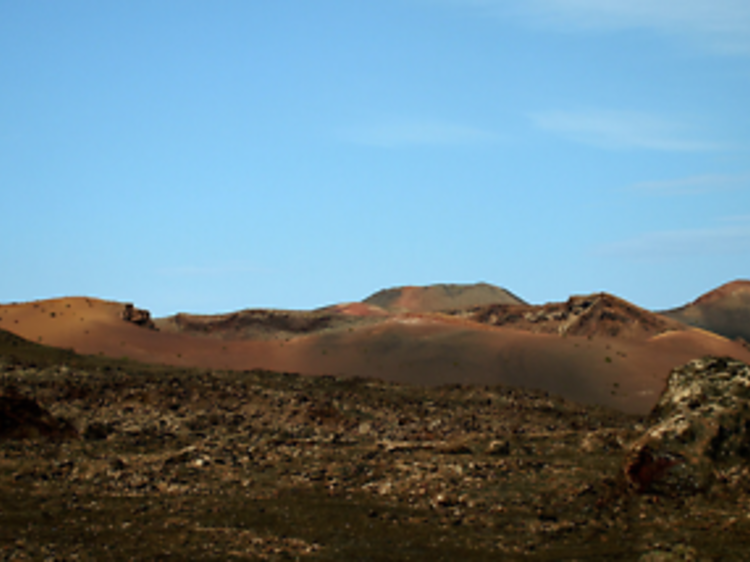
707	183
621	130
727	240
722	26
736	219
406	133
219	270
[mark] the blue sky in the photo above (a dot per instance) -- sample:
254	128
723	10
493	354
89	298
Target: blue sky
211	156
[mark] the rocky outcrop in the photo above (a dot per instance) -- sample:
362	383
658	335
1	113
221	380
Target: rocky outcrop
253	323
599	314
701	428
24	418
138	316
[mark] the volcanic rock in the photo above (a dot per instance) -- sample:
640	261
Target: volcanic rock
599	314
499	448
701	425
24	418
250	323
138	316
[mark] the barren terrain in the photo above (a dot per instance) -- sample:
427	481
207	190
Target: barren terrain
436	426
165	463
596	349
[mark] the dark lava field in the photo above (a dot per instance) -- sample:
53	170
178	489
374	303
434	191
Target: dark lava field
112	460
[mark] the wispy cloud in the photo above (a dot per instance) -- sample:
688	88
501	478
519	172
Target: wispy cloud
725	240
722	26
621	130
411	133
736	219
217	270
707	183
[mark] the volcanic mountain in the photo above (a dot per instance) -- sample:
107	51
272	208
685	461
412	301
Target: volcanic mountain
595	349
725	311
589	315
440	297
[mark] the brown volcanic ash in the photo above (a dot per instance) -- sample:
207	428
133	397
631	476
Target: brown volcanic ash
614	353
440	297
725	311
600	314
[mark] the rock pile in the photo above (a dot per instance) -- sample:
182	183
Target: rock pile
138	316
701	429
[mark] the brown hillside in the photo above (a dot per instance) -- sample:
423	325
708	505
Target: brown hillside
601	367
725	311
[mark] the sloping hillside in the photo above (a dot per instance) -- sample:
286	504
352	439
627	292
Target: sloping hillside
613	353
725	311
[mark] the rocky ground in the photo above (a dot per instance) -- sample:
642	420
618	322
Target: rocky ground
115	461
260	324
590	315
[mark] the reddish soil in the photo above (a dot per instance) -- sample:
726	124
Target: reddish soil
613	353
441	297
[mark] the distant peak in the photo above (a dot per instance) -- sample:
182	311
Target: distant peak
725	290
440	296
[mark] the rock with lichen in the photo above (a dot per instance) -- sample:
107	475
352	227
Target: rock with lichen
701	424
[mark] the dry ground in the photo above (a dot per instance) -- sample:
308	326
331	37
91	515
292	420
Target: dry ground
627	373
190	464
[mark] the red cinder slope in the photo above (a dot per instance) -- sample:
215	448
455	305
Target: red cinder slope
623	368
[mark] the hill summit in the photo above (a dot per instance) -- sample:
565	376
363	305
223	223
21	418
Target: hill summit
725	311
440	297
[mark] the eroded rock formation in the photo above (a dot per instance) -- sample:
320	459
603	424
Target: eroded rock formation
599	314
701	429
138	316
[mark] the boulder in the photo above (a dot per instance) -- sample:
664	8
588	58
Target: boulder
138	316
499	448
24	418
700	426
